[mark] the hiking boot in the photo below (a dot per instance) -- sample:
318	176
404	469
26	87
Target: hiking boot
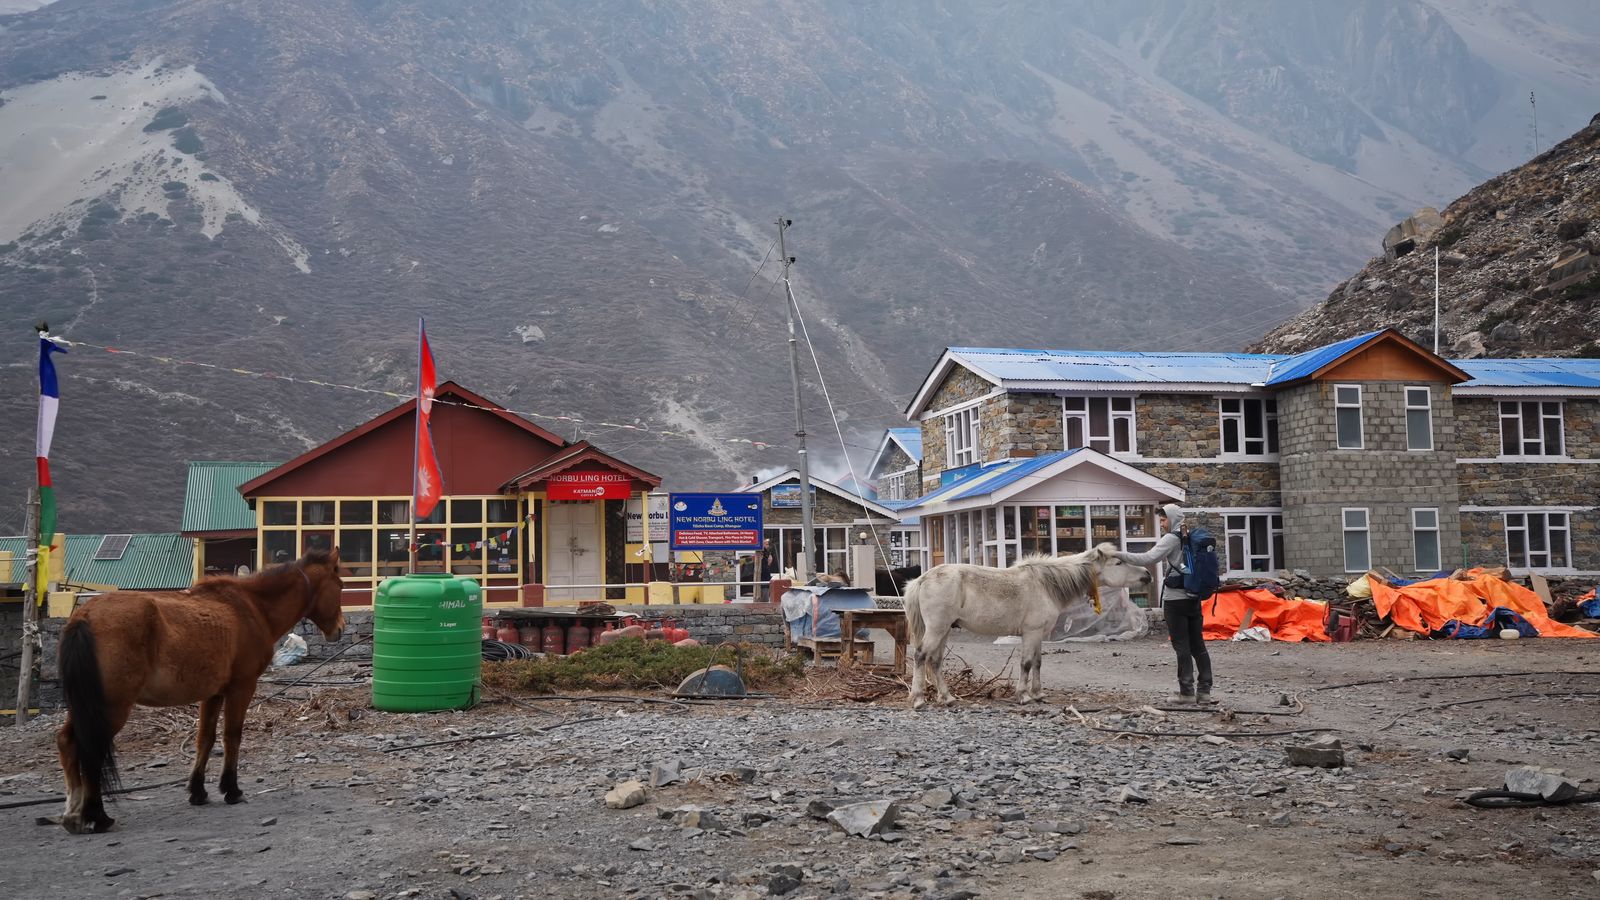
1180	697
1204	699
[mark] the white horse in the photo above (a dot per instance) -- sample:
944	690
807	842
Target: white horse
1025	599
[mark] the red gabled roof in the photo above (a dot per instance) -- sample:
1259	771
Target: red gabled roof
444	390
581	452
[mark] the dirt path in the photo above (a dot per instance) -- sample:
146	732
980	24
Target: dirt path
1034	808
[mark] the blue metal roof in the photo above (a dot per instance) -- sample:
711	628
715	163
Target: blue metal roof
988	481
1580	373
1129	366
1304	365
911	439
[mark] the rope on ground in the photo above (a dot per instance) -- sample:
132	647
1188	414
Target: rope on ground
1404	678
18	804
1438	706
1119	732
1516	800
281	691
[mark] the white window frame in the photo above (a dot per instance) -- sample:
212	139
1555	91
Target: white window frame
1361	425
1525	526
894	485
1241	565
905	547
1515	417
1113	415
1365	529
1426	409
964	422
1266	416
1418	530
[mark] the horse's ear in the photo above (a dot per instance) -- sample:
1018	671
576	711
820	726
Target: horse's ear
333	555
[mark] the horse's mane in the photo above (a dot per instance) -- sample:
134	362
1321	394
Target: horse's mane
1064	578
220	583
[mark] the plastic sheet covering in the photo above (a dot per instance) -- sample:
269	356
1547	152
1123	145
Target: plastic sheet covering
1120	619
1284	619
1471	599
812	612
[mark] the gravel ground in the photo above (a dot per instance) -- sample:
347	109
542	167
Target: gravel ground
991	799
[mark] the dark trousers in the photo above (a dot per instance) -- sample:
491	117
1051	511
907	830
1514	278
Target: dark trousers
1184	627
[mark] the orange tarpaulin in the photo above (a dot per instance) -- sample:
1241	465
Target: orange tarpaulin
1426	606
1287	620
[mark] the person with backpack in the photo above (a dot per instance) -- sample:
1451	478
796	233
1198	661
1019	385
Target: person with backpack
1192	576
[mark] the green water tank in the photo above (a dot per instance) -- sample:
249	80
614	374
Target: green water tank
426	650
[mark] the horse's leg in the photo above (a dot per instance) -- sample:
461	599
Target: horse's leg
918	669
67	749
94	806
936	661
235	704
1032	645
205	738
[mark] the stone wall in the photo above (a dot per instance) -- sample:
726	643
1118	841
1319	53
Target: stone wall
897	461
1185	426
749	623
1022	425
1528	484
1484	537
1222	485
1319	481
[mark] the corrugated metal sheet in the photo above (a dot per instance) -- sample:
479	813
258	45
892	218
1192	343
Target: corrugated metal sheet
1303	365
1581	373
211	501
911	439
163	561
1007	475
1116	365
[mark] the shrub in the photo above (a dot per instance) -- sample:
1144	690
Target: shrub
167	119
187	141
635	664
1572	229
1449	236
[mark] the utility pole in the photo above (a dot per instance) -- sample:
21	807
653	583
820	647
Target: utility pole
30	608
1535	104
1435	299
802	567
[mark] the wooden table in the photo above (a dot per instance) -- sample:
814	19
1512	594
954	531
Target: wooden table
890	620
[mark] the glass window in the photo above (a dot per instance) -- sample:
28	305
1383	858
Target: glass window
1419	419
316	512
1347	411
466	510
1254	542
278	512
1105	524
1538	540
502	511
1249	425
1531	428
432	549
1072	530
1357	544
466	559
391	551
355	512
277	547
961	437
1105	424
394	512
1425	538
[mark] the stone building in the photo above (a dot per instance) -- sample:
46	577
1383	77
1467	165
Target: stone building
896	471
840	519
1364	453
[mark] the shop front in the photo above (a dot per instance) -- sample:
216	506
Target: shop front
522	509
1053	505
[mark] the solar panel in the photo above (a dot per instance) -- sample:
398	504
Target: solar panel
112	546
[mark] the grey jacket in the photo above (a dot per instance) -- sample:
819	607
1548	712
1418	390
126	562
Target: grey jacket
1167	550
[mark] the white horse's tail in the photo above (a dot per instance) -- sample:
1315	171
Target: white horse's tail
915	627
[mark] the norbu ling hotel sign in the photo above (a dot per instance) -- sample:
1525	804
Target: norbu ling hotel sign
716	521
589	486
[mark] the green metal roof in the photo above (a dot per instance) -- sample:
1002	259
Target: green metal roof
211	501
151	561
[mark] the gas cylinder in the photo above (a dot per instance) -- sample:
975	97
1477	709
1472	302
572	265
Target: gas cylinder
577	637
507	632
554	640
488	629
528	636
669	631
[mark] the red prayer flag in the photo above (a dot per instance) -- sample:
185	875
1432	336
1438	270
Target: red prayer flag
428	485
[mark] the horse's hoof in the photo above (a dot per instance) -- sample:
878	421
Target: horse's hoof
918	703
233	798
200	799
103	824
947	701
73	824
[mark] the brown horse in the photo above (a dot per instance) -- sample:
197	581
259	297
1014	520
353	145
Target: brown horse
207	645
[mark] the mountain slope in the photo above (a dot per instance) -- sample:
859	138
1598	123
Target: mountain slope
1519	269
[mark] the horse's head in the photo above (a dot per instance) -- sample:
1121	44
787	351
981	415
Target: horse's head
1112	570
323	606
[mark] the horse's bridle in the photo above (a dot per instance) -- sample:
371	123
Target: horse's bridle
311	595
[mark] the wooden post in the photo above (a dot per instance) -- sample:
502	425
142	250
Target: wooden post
30	608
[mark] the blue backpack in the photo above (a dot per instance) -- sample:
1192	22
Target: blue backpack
1202	575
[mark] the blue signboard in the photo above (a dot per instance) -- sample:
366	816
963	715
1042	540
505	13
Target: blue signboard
715	521
787	496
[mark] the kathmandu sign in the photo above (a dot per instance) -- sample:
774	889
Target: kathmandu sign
589	486
716	521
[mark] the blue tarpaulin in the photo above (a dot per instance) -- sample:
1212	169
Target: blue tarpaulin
1499	618
812	612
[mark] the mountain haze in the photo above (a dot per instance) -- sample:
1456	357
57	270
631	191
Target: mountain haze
576	196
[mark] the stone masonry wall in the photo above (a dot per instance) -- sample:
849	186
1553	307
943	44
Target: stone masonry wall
1319	481
727	623
1022	425
897	461
1221	485
1478	421
1484	537
1186	426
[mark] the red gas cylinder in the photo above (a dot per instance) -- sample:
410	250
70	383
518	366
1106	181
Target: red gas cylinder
507	632
554	640
488	629
577	637
528	636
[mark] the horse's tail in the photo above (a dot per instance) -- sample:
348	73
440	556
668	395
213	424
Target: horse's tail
915	626
86	703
